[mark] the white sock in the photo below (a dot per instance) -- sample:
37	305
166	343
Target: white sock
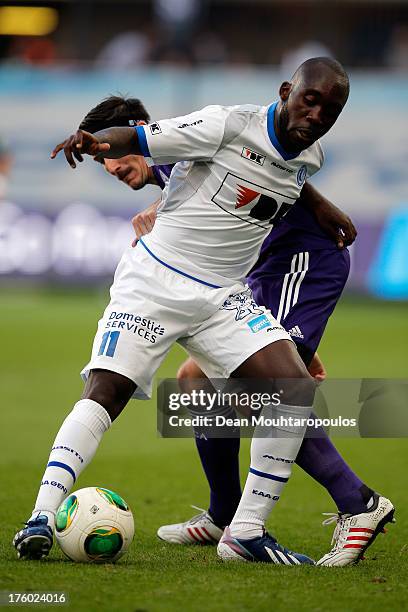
73	449
272	458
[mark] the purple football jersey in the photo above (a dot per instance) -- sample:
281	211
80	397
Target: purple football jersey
162	174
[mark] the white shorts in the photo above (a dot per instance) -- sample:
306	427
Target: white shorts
152	307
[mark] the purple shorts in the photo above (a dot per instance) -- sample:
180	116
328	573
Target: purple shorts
301	290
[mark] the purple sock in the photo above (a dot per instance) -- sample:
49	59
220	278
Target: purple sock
320	459
220	460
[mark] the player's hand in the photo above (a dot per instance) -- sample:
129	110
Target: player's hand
337	225
79	144
317	369
144	221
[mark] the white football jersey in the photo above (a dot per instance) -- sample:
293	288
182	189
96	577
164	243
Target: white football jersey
234	183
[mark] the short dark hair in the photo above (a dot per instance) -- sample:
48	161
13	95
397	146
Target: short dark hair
114	111
312	65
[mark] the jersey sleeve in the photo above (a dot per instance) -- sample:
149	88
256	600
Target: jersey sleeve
188	138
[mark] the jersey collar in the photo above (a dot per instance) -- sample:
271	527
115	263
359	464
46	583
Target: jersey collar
158	176
270	123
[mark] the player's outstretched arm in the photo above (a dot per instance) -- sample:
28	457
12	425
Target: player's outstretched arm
112	143
332	220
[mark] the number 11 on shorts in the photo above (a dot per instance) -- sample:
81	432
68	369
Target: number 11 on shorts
109	342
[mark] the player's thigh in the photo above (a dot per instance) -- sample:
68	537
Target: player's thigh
281	366
238	329
244	340
279	359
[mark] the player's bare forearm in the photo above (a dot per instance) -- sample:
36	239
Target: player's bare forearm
112	143
332	220
122	141
311	197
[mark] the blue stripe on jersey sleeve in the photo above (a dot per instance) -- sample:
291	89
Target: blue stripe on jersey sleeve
144	148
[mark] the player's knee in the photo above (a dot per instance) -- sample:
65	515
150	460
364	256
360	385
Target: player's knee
187	375
191	378
298	386
110	390
189	369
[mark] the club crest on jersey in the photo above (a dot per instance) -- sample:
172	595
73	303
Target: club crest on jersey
301	175
155	128
243	303
253	156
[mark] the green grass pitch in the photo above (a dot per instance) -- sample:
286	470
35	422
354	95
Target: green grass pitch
46	338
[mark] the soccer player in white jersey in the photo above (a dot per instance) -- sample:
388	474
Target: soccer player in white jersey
357	521
178	284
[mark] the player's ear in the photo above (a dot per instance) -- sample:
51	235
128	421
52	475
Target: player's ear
141	122
285	90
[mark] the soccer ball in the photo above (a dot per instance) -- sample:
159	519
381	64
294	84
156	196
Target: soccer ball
94	525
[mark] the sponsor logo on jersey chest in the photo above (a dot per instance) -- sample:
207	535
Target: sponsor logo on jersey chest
252	203
253	156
